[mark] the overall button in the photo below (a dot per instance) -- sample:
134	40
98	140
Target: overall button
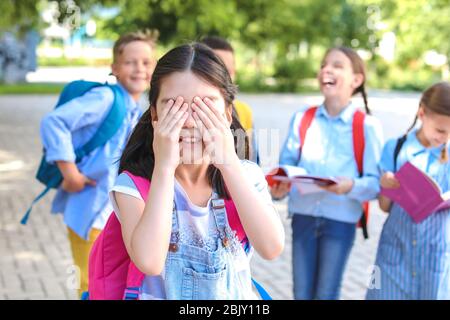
173	247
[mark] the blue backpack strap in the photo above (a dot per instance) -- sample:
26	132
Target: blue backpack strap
27	214
262	292
76	89
113	121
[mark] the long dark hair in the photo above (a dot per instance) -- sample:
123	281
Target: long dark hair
358	67
436	99
138	156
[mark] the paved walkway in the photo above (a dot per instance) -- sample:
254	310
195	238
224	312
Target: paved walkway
35	261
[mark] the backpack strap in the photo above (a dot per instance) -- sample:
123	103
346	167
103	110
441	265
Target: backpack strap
109	127
134	282
398	147
358	149
134	275
305	123
76	89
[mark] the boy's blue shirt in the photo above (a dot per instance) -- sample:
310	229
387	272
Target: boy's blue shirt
328	151
69	127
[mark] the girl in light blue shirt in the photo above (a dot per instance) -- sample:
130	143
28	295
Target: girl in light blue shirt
324	223
413	259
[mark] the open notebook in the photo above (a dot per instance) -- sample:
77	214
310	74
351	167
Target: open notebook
304	182
419	195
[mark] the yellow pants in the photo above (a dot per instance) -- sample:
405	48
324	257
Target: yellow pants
80	252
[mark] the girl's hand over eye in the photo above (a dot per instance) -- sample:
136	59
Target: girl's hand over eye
167	130
216	132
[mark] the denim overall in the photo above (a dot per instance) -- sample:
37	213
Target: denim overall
194	273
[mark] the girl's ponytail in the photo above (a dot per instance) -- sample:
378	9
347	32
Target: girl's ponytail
364	96
412	125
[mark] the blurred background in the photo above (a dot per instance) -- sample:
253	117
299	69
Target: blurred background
278	44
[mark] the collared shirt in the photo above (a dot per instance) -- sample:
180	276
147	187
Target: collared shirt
328	151
414	259
69	127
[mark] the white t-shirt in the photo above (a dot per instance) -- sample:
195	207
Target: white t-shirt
196	224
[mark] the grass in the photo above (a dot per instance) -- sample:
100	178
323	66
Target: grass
31	88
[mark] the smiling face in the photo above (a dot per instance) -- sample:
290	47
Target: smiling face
134	66
337	79
435	129
188	86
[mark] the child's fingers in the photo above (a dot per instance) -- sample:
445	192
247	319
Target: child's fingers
206	136
207	123
90	182
394	184
176	130
171	111
285	186
220	116
174	121
209	115
166	109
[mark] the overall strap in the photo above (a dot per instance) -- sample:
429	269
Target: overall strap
219	213
175	233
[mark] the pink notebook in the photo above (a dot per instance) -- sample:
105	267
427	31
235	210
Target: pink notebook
419	195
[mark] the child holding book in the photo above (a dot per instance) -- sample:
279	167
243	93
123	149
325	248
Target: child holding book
413	259
324	223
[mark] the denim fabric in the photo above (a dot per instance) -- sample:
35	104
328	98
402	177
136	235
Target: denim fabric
193	273
320	250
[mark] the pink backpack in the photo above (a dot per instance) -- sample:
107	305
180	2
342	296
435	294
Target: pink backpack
112	274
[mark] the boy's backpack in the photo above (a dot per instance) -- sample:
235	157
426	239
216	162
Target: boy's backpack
49	174
358	149
112	274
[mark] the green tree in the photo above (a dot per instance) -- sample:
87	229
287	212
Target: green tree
18	14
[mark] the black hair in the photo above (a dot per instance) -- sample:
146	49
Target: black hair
217	43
